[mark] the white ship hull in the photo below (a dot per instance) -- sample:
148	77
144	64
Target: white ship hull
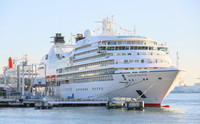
109	65
155	85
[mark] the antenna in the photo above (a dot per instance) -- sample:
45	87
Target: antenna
177	58
71	38
134	29
112	17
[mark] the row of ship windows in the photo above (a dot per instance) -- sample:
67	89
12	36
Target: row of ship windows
89	74
84	54
82	89
132	48
110	54
95	79
88	58
144	79
116	43
97	88
89	79
92	57
85	89
99	78
98	56
141	53
133	53
127	42
86	66
142	61
139	68
124	43
86	74
105	63
78	62
120	61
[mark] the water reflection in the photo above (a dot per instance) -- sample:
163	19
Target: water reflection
179	112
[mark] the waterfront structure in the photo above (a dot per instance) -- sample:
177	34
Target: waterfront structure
187	89
110	65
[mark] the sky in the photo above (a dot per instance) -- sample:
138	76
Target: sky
27	25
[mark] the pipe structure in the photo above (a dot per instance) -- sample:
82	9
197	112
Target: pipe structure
35	80
35	70
5	80
19	83
32	81
45	77
29	72
23	80
45	73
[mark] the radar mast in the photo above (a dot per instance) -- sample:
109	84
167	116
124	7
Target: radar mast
107	26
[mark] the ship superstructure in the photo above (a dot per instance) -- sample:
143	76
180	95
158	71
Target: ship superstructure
110	65
57	57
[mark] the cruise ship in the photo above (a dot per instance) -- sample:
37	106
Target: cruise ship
110	65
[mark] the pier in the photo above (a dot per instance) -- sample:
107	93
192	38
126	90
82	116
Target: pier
24	87
50	103
78	102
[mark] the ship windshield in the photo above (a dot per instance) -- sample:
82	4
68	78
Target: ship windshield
52	57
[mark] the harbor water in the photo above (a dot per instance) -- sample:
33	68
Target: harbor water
185	108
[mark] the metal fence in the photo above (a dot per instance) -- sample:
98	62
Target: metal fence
9	95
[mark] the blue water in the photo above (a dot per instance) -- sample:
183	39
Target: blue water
185	108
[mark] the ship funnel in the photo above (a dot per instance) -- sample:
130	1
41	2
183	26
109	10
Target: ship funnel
79	37
58	38
10	62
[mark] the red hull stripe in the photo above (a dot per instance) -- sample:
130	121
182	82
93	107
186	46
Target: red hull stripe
152	105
